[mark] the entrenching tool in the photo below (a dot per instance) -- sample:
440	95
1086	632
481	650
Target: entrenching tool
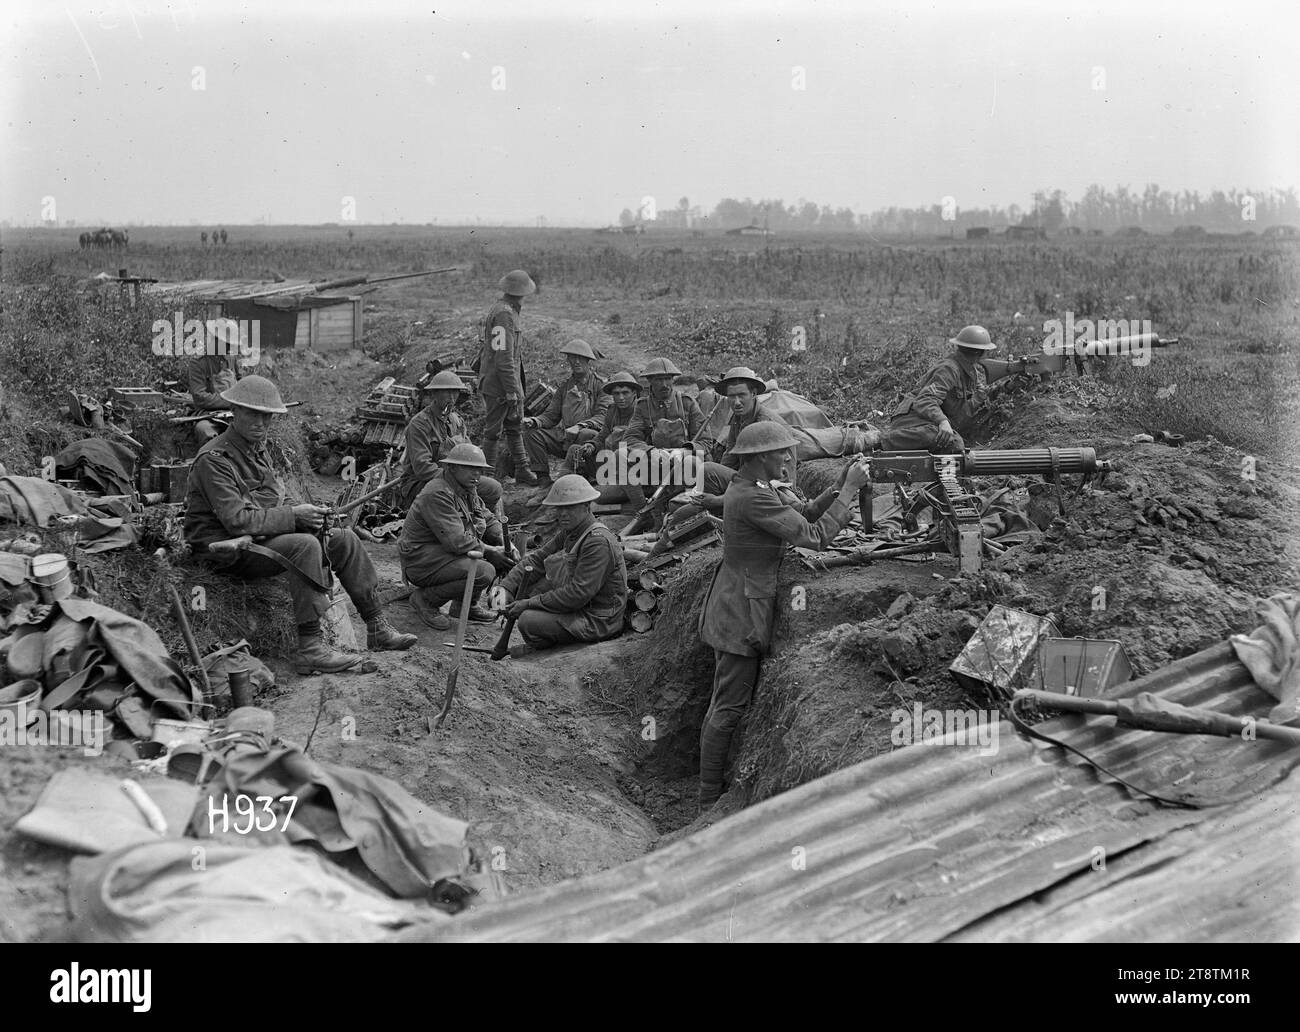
461	624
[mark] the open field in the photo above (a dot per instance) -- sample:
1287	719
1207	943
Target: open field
547	761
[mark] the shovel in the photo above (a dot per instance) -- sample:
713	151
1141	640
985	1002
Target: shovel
461	624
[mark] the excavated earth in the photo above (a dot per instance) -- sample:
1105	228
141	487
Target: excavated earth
573	761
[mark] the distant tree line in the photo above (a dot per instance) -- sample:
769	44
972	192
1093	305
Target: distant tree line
1153	209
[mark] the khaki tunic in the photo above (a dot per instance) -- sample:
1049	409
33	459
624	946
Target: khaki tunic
233	490
739	611
594	580
445	522
949	390
501	370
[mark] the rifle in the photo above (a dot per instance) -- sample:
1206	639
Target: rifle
502	647
1053	359
638	521
959	520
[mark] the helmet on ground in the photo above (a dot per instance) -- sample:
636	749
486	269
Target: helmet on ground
446	381
758	438
465	455
661	367
621	379
257	393
517	283
579	347
743	374
973	337
570	489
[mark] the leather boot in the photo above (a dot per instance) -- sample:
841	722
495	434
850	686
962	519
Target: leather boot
523	475
427	609
315	657
381	635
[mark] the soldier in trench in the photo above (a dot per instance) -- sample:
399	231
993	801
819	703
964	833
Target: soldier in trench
739	611
944	404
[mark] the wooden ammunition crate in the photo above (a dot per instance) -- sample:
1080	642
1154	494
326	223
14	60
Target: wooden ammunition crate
128	398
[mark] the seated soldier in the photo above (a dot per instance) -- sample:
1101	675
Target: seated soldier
740	388
235	492
208	375
583	592
578	404
943	406
447	521
666	418
430	436
585	456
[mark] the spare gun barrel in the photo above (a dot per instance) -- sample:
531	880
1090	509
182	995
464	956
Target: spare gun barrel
1039	461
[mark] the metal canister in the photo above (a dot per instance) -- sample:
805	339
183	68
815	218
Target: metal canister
241	689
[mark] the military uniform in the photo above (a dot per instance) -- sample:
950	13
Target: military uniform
578	401
234	490
583	593
739	611
717	474
950	390
207	376
501	373
445	523
429	437
612	432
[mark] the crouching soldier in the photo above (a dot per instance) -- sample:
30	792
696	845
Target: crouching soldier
448	521
234	493
665	419
944	404
430	437
583	592
578	405
739	612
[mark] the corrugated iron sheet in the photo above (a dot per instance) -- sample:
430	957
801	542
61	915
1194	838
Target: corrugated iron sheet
937	841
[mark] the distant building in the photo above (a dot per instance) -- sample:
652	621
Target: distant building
1026	233
1131	231
1282	233
977	233
1072	231
753	229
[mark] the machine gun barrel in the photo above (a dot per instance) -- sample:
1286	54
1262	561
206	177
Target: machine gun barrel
1038	461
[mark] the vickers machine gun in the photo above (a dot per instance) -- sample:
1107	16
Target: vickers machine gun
955	508
1054	359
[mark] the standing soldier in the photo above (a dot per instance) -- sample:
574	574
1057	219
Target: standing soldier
431	435
665	418
501	373
739	611
578	405
234	492
446	523
584	589
943	406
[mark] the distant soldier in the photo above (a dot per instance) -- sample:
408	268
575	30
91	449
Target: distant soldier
664	418
446	523
208	376
234	492
942	409
223	237
738	616
583	592
432	434
578	405
204	238
501	373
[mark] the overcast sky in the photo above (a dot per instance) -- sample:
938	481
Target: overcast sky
221	111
